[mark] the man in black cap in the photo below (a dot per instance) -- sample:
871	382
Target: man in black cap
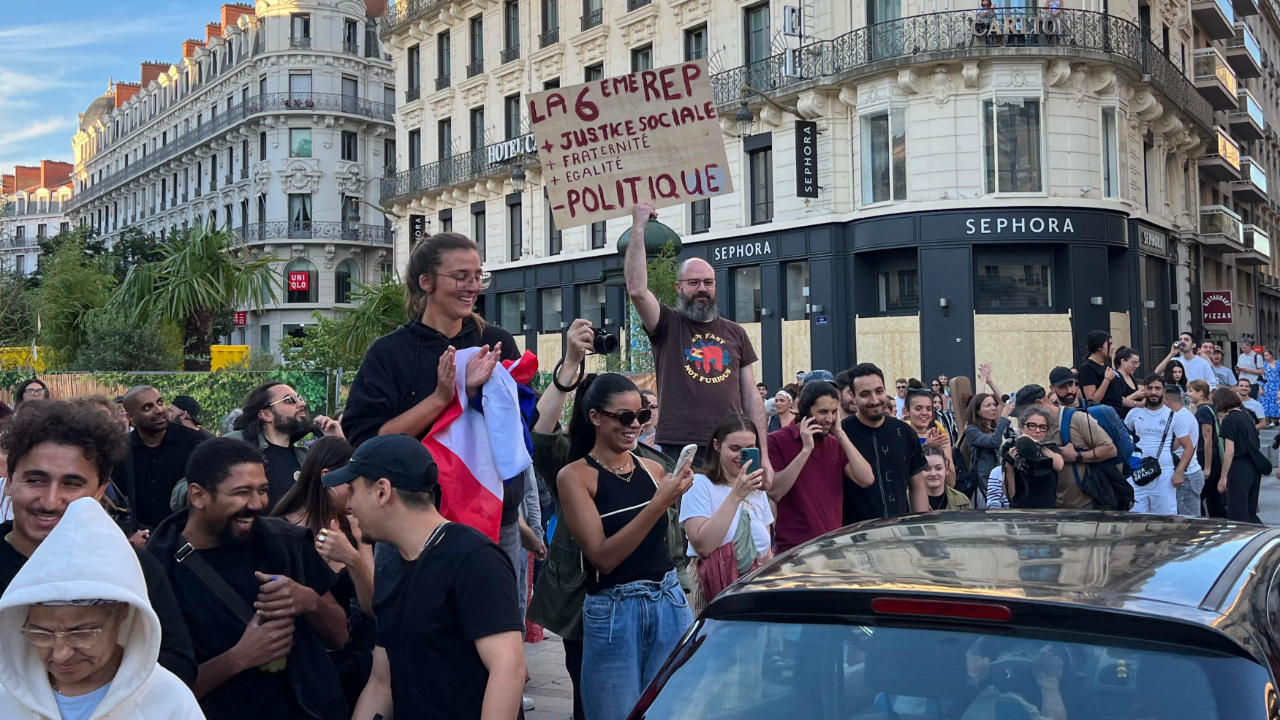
1089	442
1031	395
449	640
184	410
1065	387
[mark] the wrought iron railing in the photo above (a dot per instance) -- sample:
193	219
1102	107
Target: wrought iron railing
299	43
592	19
404	11
316	230
453	170
962	33
442	82
509	54
271	102
412	94
550	37
475	68
637	4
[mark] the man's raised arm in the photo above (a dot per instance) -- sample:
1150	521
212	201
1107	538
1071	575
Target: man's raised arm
636	269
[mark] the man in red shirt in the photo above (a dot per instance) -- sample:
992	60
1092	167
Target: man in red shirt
811	457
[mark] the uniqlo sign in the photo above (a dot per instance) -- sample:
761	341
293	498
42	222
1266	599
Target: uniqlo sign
300	281
242	318
1217	307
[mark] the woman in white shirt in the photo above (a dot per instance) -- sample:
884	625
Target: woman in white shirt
727	505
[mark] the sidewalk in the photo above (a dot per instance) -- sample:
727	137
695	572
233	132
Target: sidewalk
548	684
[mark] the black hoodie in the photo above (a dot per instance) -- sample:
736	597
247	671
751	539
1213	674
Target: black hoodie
399	371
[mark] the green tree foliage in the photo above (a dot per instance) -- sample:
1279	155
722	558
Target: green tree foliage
340	341
201	273
637	355
17	311
115	341
220	392
133	248
75	283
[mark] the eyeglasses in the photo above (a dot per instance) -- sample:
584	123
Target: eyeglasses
291	399
35	391
78	639
693	283
463	280
1036	427
628	418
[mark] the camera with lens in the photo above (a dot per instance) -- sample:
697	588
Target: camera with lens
603	343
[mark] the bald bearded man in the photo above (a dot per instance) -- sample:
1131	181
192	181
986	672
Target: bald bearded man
703	360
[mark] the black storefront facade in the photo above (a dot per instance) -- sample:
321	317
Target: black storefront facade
941	266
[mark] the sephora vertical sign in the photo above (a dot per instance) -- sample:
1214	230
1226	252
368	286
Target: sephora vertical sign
417	228
806	159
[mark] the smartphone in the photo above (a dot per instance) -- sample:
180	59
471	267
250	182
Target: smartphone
686	457
750	455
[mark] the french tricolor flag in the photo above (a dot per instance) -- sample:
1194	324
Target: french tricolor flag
479	445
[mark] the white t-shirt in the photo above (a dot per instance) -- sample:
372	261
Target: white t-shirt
1255	407
1253	361
1149	426
1197	368
705	498
1184	425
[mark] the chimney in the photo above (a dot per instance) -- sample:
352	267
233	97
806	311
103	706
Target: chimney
375	8
8	185
189	47
28	177
231	14
211	31
151	71
126	91
54	174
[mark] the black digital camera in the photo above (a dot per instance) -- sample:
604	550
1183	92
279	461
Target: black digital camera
603	343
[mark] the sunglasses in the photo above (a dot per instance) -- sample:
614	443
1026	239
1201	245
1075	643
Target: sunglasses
291	399
628	418
919	391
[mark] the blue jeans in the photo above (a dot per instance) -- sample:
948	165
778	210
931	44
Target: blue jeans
1189	494
627	633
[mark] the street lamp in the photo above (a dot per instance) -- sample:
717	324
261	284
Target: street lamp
518	179
744	119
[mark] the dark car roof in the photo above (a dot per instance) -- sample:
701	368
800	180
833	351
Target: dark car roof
1101	559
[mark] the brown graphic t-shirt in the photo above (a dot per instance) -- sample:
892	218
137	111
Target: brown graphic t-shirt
698	366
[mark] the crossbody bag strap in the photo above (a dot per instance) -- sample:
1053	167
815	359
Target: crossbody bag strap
213	581
1165	435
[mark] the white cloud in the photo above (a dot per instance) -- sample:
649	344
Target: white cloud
36	129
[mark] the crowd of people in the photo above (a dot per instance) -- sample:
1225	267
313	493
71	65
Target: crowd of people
304	567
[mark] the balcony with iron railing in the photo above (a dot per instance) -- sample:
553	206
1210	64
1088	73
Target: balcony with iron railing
475	68
299	43
351	46
1244	53
1216	17
550	37
1221	229
405	11
412	94
316	230
962	34
256	105
1248	121
592	19
450	171
508	54
1252	185
633	5
442	82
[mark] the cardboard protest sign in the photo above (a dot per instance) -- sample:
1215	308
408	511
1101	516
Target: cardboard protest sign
652	136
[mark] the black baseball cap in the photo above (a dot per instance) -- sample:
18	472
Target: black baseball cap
398	458
1060	376
189	405
1029	394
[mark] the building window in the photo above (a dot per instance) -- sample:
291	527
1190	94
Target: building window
20	232
1006	284
591	304
344	280
700	216
899	290
349	145
756	38
511	25
444	138
478	231
592	73
264	338
300	279
642	58
444	64
695	43
550	18
476	27
796	276
884	157
262	151
1110	154
446	222
300	215
552	314
477	128
415	149
515	231
300	86
301	26
746	294
597	235
300	142
1012	141
511	116
64	227
555	238
511	312
350	37
415	67
350	217
760	163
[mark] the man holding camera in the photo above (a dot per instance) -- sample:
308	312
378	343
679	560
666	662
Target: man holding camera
703	360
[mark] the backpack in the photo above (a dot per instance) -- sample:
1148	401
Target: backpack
1102	481
1110	421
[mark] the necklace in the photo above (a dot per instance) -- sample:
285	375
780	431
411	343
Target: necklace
618	470
434	538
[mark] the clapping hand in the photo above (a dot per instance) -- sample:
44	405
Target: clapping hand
480	367
445	373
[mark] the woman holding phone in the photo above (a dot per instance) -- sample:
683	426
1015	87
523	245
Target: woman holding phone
615	504
726	514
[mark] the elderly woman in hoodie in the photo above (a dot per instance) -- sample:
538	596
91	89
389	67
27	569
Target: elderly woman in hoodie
80	637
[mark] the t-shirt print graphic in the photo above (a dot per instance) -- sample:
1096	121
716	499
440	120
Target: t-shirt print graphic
707	359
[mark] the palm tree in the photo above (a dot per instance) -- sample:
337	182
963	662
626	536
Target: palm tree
198	275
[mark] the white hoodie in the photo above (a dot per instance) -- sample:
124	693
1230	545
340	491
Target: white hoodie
86	557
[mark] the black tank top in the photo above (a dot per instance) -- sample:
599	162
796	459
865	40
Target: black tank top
618	501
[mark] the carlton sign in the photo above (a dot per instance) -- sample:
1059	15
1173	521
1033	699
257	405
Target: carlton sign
1217	307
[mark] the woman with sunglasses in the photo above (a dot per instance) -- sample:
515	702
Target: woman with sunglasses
407	377
922	419
615	504
940	391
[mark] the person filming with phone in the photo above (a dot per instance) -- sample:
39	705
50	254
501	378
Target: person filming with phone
726	514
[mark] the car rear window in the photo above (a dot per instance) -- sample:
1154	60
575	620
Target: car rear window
770	671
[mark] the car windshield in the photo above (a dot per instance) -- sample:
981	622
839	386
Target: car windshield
768	671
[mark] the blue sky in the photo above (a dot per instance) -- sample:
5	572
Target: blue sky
54	61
